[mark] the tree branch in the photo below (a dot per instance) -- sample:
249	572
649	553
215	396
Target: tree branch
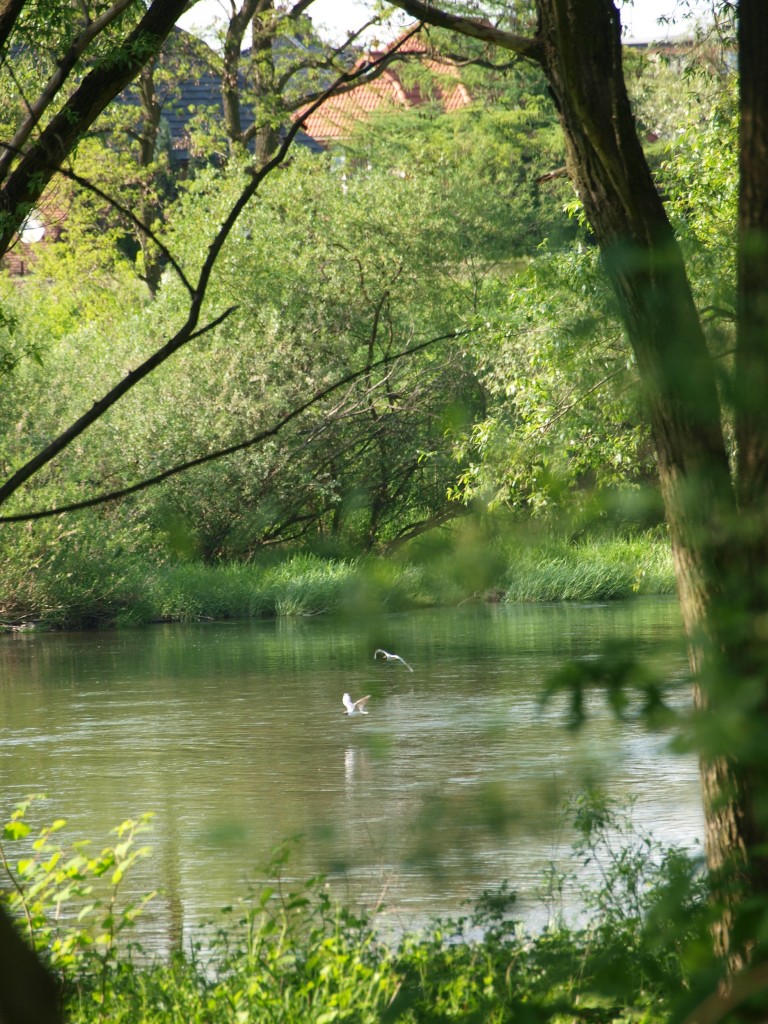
128	214
371	72
29	178
424	526
53	87
526	46
230	449
9	15
188	330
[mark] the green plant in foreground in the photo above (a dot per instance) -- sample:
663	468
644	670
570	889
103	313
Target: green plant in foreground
647	902
286	952
67	900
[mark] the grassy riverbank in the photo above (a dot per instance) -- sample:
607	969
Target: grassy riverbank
286	952
78	582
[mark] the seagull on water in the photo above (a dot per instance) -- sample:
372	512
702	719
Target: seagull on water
390	657
355	707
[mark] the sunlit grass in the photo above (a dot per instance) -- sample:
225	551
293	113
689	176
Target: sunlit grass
589	570
105	588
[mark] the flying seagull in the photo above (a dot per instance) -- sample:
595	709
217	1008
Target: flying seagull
390	657
355	707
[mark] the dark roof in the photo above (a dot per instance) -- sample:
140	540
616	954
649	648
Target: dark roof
192	96
200	90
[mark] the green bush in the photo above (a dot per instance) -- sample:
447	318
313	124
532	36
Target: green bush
68	898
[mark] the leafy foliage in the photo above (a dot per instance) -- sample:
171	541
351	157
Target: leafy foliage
287	952
67	575
564	413
69	914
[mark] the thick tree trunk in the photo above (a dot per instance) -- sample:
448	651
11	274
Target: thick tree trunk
720	548
582	60
28	994
721	558
752	350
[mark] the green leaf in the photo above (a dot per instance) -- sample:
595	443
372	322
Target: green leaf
15	830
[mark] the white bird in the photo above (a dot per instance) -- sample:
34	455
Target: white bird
390	657
355	707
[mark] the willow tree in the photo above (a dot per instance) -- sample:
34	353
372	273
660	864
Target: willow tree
715	494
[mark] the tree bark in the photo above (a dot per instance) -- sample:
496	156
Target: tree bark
582	47
148	208
752	346
268	99
28	994
230	79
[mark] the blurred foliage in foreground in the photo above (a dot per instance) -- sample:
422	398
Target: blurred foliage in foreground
287	952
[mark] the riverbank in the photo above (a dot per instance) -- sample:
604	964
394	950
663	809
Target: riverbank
76	588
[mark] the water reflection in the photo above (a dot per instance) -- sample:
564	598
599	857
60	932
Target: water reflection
235	736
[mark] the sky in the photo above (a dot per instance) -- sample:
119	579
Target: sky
337	16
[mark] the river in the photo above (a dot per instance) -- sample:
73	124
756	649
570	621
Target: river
234	736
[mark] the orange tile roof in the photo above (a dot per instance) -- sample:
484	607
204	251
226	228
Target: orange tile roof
337	117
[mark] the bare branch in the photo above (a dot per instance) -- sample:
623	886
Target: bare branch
131	216
186	334
558	172
298	8
424	526
371	72
578	401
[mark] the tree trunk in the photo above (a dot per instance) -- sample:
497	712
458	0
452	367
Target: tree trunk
28	994
752	350
268	102
148	208
230	79
720	548
714	566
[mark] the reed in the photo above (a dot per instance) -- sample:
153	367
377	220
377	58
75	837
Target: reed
106	587
589	570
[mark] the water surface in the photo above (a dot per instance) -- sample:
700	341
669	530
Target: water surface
234	735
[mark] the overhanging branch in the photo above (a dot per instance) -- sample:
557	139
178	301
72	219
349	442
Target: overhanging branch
221	453
526	46
189	329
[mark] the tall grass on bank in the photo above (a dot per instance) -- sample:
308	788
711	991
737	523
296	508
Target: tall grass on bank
79	582
286	952
589	570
